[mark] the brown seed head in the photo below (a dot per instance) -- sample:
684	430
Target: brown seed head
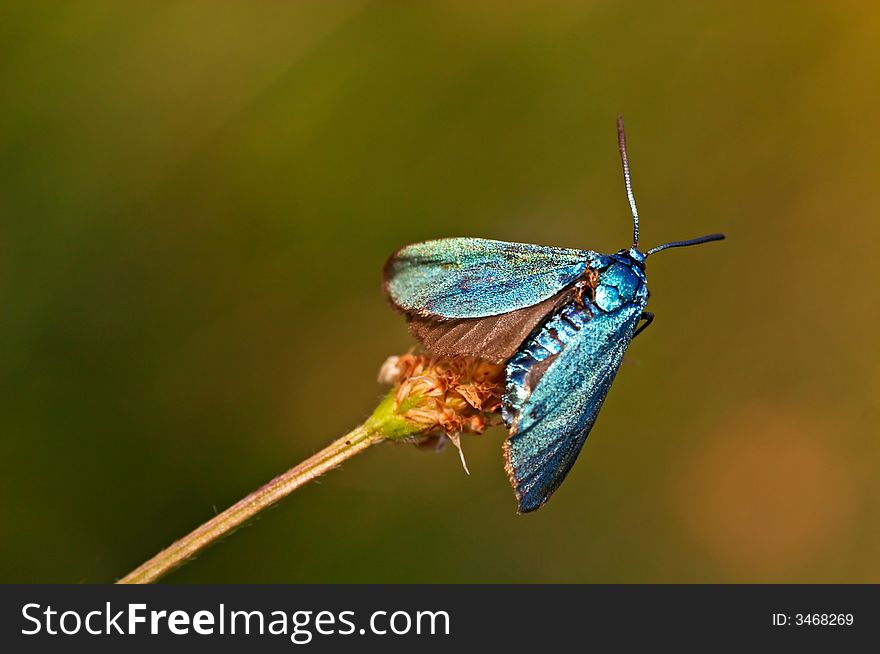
448	395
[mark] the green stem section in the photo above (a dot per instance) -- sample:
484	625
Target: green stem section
384	424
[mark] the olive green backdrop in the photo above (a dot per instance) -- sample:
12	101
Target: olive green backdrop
196	200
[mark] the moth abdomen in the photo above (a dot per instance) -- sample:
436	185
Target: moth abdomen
537	353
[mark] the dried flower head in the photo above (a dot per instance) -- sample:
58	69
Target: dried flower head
446	396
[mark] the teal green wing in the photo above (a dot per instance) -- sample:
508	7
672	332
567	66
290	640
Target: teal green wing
474	277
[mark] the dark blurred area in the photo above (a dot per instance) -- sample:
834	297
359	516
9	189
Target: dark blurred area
196	201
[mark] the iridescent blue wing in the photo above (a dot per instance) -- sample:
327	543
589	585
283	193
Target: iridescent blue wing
555	390
474	277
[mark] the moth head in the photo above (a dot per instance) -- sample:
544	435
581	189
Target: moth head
620	283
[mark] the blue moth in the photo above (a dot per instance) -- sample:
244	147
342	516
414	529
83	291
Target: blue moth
559	320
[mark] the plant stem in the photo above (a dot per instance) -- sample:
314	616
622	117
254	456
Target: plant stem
370	433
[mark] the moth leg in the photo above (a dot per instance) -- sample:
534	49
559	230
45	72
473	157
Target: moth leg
648	317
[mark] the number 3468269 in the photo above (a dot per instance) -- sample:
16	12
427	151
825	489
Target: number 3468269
823	619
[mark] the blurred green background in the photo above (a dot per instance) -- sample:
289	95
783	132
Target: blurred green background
196	200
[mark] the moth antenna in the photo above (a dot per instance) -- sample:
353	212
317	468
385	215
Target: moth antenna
624	159
683	244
